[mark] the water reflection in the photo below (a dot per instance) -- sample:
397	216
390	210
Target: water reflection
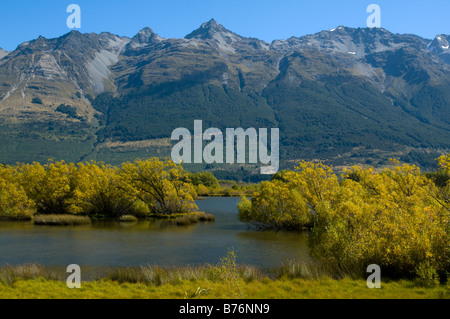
108	244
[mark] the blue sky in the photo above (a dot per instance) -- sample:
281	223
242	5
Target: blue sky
23	20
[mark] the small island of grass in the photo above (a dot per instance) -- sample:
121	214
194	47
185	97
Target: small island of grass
61	220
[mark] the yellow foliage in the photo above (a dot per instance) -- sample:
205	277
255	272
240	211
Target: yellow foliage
276	205
444	162
397	218
100	189
139	188
14	202
202	190
162	185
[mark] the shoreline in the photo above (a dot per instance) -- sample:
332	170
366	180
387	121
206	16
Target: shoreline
100	219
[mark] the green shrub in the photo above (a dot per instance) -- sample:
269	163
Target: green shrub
204	178
36	100
427	275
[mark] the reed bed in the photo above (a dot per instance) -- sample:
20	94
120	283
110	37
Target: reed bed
61	220
155	275
11	274
128	219
194	218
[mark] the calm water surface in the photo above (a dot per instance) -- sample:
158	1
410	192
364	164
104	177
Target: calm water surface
146	243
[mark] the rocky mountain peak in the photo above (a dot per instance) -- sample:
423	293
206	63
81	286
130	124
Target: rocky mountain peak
212	25
218	36
73	34
440	44
356	42
144	37
210	30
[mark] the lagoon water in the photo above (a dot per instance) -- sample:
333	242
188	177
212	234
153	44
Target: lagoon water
111	244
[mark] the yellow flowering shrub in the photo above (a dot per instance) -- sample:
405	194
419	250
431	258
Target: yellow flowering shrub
276	206
162	185
397	218
101	190
390	218
49	186
140	188
14	202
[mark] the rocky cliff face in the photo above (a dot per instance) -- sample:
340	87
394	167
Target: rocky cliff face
441	47
44	73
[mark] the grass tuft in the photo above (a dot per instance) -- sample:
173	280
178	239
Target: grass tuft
194	218
314	270
128	219
11	274
61	220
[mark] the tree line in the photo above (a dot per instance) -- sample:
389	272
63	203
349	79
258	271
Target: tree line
141	188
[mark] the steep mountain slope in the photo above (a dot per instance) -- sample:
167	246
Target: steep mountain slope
345	95
40	81
348	88
210	55
66	69
3	53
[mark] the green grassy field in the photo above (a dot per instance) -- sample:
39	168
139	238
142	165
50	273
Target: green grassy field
259	289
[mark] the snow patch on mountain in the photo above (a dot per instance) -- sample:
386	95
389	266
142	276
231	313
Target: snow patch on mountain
440	44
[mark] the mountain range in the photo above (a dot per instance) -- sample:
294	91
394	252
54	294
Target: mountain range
345	96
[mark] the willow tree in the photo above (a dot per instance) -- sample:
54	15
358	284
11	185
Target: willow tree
162	185
50	186
101	190
14	202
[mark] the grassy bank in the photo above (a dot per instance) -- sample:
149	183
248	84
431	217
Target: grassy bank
224	281
325	288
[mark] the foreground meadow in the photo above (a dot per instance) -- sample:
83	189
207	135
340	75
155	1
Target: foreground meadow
226	280
285	288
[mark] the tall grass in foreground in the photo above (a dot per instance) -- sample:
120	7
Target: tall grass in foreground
11	274
224	280
226	272
315	270
265	289
158	276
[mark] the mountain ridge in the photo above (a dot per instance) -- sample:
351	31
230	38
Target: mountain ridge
97	90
